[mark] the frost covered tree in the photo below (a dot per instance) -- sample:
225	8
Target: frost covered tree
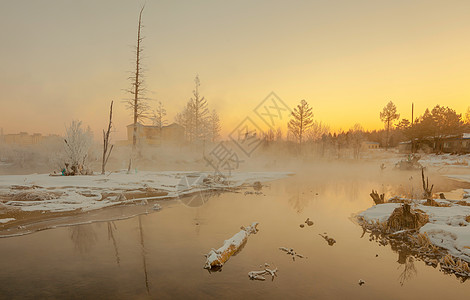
195	117
137	103
301	121
214	126
185	119
388	116
159	115
77	144
199	110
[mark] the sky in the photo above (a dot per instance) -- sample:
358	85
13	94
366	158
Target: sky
66	60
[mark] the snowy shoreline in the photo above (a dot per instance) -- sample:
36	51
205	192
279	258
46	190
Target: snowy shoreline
44	193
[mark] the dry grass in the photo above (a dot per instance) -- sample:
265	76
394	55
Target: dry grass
457	265
404	217
432	202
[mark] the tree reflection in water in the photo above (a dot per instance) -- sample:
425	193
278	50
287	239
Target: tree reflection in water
83	237
111	228
407	262
144	258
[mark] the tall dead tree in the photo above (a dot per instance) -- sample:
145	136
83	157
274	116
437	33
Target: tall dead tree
106	149
137	104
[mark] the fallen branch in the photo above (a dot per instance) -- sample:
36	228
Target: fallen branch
259	275
217	258
291	251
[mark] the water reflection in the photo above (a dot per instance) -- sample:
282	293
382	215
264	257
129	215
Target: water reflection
407	262
111	228
83	237
406	259
144	255
200	198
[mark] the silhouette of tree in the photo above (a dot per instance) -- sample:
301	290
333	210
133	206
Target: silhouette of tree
301	121
388	116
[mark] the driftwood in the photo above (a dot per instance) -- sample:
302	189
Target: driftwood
378	199
291	251
217	258
329	240
259	275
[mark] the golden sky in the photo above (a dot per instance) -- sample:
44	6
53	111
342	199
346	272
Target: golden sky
63	60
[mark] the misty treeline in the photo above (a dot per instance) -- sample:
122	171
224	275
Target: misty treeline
309	137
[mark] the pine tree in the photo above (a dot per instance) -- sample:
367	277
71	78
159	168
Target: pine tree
302	120
389	116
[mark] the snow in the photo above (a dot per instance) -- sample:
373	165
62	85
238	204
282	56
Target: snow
447	227
379	213
41	192
6	220
444	160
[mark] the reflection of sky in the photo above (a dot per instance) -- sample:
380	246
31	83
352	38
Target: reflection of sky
64	60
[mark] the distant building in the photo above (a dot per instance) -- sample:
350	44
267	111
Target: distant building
25	139
153	135
459	143
370	145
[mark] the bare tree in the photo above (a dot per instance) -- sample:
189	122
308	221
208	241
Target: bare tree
269	136
137	104
389	116
214	126
302	120
317	130
356	137
106	149
278	134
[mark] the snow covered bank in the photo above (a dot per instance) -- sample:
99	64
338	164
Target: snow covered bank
41	192
448	225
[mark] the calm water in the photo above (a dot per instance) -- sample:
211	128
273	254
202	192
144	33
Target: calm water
160	254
